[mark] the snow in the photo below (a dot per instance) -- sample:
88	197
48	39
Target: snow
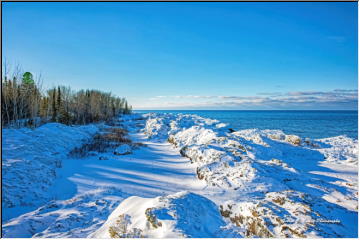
340	149
30	162
122	149
179	215
87	190
189	177
263	166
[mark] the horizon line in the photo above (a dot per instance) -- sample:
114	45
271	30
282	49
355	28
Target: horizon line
244	110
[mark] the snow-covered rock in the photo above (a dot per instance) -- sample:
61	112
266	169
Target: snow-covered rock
340	149
247	183
275	174
179	215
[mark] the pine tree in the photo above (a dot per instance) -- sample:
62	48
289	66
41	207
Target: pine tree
28	78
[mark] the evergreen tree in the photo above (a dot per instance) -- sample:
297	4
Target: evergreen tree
28	78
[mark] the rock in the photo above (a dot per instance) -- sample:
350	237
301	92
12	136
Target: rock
122	150
293	139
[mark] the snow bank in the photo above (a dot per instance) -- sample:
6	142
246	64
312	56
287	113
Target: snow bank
30	159
340	149
251	183
278	176
261	218
123	150
179	215
74	217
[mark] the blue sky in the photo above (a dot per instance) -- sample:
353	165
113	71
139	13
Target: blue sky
192	55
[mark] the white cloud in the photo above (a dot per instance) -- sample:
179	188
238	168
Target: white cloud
337	98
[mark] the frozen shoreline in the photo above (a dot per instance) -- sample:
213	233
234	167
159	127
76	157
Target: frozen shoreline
261	182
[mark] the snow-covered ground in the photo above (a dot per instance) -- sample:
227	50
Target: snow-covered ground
189	177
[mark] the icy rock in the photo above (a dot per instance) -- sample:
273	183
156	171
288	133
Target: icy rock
293	139
265	164
201	154
259	218
253	135
194	135
157	127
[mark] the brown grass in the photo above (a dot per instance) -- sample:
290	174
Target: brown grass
199	175
279	200
101	142
151	218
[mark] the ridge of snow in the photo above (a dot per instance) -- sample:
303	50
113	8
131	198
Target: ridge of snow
30	159
319	174
183	214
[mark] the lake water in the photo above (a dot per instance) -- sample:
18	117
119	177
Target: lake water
312	124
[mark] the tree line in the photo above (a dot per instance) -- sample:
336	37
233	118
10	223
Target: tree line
24	104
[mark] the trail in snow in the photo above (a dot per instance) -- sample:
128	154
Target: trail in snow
274	185
88	189
150	171
254	183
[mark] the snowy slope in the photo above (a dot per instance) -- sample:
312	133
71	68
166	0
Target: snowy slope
179	215
292	187
30	159
191	177
87	190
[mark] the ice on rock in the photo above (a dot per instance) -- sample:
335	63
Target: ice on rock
293	139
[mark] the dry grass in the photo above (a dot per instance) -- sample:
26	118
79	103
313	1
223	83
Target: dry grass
151	218
101	142
279	200
199	175
254	226
121	229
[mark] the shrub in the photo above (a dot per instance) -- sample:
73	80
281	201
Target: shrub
101	142
121	228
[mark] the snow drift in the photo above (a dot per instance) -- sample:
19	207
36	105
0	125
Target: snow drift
30	159
179	215
247	183
285	186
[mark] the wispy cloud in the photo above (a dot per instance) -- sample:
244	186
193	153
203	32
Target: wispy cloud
270	93
338	98
195	97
